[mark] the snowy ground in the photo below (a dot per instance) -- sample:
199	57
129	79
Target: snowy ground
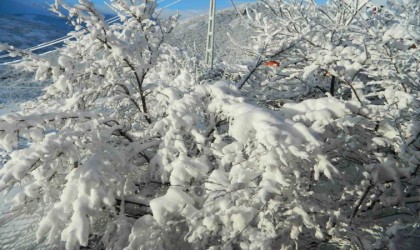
16	87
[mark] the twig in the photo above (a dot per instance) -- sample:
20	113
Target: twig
359	202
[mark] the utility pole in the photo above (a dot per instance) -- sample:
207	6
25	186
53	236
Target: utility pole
210	35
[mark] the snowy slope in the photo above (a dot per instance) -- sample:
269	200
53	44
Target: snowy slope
17	86
26	23
190	34
27	30
11	7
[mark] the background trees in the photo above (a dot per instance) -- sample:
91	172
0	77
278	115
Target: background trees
127	150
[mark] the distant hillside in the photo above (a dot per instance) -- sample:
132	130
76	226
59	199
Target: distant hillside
34	25
190	34
12	7
27	30
26	23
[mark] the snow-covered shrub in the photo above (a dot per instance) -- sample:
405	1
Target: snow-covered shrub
330	48
127	150
370	63
236	180
84	148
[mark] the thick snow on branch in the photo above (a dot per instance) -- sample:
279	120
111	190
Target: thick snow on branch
312	142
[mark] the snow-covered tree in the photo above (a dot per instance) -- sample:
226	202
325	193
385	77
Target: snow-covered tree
84	148
370	63
126	150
